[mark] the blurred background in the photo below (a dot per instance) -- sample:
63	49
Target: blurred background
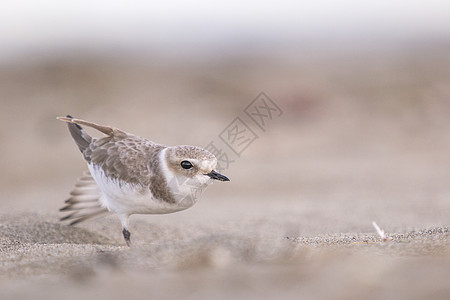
364	87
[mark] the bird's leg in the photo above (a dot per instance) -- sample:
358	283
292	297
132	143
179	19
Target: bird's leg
126	236
125	232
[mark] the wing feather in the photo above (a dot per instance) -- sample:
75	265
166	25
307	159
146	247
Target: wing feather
126	158
84	202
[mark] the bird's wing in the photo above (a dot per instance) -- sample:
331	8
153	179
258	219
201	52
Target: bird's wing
121	155
84	201
127	158
108	130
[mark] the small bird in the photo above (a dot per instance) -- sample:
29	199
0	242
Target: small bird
132	175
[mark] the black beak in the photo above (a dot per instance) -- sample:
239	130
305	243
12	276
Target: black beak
214	175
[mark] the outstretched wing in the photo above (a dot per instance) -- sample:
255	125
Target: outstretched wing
121	155
84	202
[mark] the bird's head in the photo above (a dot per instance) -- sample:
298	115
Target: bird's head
193	164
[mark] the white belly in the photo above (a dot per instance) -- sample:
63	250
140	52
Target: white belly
127	199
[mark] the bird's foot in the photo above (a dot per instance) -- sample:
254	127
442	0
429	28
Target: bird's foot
126	236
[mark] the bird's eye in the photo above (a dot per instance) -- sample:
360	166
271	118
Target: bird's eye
186	164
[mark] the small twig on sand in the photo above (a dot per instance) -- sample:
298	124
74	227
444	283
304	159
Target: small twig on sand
380	232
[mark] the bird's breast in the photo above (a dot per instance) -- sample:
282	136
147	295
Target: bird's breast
125	198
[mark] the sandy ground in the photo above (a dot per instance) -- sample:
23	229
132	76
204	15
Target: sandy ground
363	137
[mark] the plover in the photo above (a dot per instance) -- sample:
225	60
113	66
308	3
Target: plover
132	175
